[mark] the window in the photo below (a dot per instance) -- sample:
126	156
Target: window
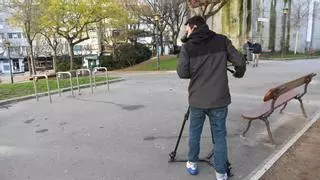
14	35
24	49
15	49
6	67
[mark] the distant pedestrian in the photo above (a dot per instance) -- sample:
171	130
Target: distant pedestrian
257	49
247	49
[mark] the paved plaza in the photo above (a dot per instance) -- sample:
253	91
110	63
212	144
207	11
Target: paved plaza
127	134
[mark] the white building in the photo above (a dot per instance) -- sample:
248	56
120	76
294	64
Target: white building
304	20
18	47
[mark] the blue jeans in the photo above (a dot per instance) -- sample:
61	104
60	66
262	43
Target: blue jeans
217	117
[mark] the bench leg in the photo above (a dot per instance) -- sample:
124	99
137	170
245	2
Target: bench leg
285	105
302	107
265	120
249	124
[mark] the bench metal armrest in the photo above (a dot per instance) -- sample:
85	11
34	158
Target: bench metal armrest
309	79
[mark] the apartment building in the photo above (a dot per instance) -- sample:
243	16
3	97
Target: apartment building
17	47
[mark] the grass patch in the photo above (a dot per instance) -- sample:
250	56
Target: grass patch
166	64
8	91
289	55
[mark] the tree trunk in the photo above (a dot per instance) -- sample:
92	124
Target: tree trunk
283	34
226	16
244	20
29	65
249	17
296	44
161	43
54	60
287	46
71	53
272	25
100	33
33	67
174	37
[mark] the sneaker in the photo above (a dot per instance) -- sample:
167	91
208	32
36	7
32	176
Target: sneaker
221	176
192	168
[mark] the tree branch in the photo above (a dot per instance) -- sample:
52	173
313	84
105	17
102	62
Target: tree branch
212	13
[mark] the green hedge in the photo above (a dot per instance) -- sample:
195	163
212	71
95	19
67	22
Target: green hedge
126	55
63	62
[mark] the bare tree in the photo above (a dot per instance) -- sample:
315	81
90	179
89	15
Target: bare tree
207	8
147	10
177	12
299	18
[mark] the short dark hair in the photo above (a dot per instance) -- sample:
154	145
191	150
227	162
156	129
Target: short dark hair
195	20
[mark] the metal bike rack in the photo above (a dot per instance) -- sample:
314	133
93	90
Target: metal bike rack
77	74
58	82
96	70
35	79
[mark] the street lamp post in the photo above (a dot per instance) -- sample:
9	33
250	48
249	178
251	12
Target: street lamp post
157	18
7	43
284	27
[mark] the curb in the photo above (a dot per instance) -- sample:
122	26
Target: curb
288	59
274	157
23	98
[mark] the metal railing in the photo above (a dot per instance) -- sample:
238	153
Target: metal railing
35	79
96	70
77	74
58	82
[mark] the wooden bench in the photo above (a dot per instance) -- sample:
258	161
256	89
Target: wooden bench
49	76
278	97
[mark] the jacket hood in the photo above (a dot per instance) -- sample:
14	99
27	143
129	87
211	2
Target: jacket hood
201	34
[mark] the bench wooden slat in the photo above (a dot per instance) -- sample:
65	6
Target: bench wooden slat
272	93
49	76
266	106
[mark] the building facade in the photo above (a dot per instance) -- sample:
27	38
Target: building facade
16	53
252	19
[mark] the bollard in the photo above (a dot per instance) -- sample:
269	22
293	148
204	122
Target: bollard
96	70
58	82
77	74
35	79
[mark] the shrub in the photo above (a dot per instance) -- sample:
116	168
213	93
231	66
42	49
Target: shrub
143	53
109	62
129	54
125	55
63	63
